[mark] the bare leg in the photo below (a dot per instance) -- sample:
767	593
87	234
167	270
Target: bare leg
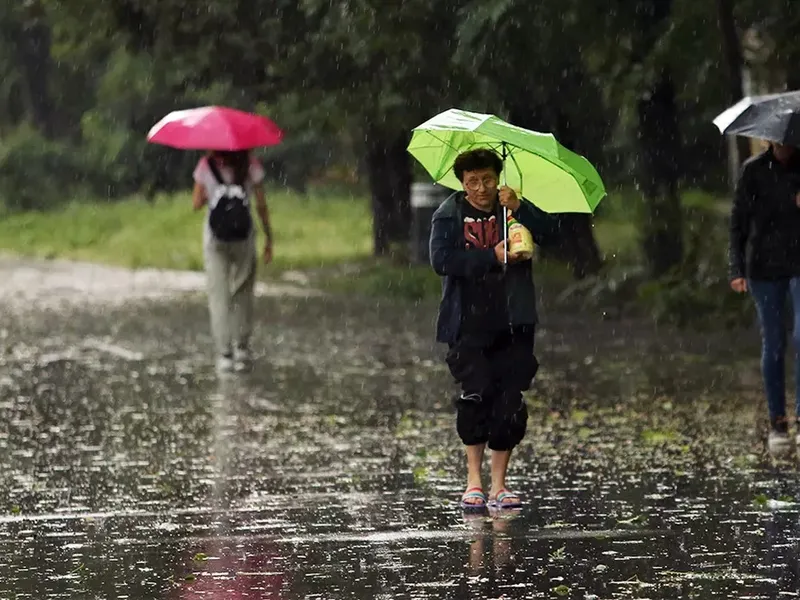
500	460
474	461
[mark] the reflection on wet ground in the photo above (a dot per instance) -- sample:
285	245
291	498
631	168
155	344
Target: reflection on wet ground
129	470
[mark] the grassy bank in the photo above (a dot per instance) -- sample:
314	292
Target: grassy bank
309	233
327	232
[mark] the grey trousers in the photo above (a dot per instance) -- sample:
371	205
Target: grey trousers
230	280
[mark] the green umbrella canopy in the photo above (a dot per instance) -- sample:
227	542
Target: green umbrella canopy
554	178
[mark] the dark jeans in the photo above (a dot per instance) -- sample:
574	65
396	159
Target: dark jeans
493	370
770	300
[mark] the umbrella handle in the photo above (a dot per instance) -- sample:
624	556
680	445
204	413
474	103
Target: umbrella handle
505	235
505	211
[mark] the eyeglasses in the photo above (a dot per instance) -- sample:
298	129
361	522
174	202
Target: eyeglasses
473	185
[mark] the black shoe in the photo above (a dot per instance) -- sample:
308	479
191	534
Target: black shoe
779	425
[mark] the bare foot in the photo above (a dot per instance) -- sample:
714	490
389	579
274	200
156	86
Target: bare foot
503	497
473	496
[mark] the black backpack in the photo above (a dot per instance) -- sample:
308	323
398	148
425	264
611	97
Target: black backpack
229	210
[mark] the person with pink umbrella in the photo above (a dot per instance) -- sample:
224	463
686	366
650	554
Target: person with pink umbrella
224	181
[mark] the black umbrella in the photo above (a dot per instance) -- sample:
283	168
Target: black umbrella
774	117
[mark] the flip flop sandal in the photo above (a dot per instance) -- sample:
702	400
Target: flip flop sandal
497	502
473	493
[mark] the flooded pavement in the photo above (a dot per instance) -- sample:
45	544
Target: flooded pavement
129	470
57	284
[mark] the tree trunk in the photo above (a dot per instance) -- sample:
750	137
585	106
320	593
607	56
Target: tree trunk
33	49
389	173
732	50
132	18
577	246
399	168
659	150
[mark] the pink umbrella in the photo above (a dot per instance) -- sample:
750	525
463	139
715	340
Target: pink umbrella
214	128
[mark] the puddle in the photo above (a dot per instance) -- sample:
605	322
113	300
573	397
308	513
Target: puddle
31	283
127	470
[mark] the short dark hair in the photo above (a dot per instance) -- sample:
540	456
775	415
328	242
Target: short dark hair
473	160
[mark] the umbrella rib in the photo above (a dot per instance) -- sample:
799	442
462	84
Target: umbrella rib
444	143
454	148
495	145
492	145
563	167
519	172
560	166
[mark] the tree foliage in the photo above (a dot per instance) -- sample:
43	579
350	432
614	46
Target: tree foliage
631	84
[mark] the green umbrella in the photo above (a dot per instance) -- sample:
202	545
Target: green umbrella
536	165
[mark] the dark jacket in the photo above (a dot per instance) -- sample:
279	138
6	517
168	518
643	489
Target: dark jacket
765	220
451	260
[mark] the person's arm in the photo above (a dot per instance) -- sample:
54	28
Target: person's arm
199	196
257	176
448	259
740	224
199	199
263	216
545	228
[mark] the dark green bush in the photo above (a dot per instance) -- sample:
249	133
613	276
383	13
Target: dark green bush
36	173
695	294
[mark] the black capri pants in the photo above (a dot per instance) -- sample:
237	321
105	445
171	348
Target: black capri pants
493	369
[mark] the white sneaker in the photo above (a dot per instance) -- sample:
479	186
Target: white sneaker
778	442
241	359
225	364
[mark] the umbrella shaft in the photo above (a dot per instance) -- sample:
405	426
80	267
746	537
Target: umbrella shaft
505	211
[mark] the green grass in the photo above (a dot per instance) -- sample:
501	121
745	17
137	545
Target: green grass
309	232
386	278
324	230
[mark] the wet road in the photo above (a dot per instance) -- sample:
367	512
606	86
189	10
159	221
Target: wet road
129	470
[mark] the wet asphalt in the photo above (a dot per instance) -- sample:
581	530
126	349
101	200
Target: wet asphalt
129	469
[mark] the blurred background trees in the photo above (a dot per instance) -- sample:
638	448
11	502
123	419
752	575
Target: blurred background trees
631	84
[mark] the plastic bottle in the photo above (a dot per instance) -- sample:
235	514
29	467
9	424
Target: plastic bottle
520	240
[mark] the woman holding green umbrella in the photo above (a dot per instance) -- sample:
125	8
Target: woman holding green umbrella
487	315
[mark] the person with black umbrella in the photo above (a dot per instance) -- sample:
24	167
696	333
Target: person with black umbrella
765	238
764	258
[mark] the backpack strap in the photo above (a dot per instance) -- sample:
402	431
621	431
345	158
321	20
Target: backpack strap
212	164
